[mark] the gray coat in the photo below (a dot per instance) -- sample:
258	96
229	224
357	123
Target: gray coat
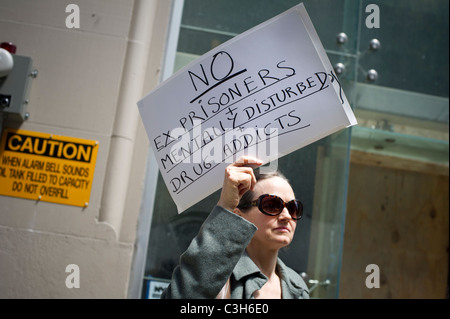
218	253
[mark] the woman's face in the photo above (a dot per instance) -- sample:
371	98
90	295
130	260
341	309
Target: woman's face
274	232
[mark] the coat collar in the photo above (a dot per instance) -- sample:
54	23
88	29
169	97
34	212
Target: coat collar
292	284
296	286
246	267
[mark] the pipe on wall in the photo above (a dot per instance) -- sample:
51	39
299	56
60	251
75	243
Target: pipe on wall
126	119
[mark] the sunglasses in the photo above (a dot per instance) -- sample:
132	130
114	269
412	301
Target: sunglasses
273	205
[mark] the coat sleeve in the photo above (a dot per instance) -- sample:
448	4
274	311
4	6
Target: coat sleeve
211	257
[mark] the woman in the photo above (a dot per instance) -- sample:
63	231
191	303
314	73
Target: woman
235	253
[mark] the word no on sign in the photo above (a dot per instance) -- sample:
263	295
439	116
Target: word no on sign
47	167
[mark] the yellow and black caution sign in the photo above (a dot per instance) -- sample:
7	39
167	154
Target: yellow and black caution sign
47	167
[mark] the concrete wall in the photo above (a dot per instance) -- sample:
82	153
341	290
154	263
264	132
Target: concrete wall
88	84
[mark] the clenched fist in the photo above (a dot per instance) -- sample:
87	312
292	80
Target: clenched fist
239	178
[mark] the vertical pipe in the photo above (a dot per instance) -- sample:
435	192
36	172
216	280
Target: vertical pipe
127	115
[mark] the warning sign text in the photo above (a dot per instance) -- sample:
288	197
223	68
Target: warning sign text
46	167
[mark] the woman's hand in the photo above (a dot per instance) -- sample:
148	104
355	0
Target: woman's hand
239	178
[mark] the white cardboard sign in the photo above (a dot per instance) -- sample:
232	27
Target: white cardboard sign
264	93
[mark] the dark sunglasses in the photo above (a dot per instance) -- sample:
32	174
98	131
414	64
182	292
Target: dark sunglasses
273	205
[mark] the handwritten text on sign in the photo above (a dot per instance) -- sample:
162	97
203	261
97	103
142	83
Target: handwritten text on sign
47	167
264	93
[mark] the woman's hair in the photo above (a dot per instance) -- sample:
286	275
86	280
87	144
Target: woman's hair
248	197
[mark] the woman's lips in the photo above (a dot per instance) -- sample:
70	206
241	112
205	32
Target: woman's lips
283	229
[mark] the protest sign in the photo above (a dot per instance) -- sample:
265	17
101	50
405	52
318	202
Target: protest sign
264	93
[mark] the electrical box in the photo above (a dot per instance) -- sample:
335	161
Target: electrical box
15	88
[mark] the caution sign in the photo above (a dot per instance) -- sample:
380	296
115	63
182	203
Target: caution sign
47	167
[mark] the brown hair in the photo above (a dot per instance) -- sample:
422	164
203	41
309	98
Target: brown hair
248	197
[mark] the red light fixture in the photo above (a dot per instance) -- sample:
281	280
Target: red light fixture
8	46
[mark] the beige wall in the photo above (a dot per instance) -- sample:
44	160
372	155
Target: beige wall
88	84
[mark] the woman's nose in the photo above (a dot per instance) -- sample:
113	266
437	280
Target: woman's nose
285	214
